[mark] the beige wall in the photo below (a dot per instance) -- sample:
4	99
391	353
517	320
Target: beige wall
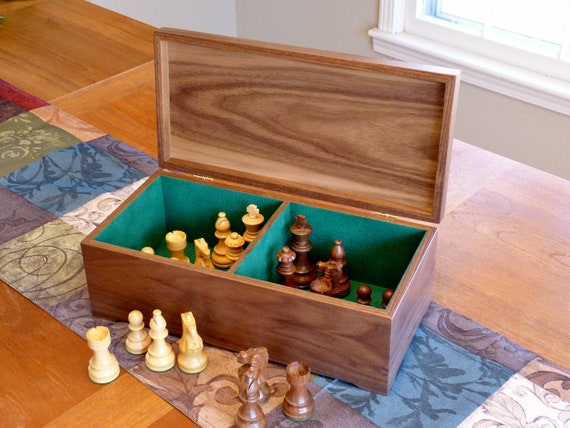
512	128
523	132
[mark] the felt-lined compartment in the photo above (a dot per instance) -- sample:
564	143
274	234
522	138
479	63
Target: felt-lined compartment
170	203
377	252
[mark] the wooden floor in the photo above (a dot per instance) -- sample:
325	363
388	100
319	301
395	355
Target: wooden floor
504	244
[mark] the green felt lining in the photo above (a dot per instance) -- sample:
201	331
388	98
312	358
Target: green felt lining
169	204
378	253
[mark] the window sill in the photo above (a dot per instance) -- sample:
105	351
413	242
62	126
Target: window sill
533	88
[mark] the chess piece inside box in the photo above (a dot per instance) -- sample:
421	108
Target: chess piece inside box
298	404
138	340
252	222
202	254
159	357
176	243
147	250
219	256
286	266
304	268
255	360
103	366
235	243
386	297
325	283
341	287
364	294
192	358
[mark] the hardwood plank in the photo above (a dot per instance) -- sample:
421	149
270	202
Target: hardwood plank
123	106
53	47
45	381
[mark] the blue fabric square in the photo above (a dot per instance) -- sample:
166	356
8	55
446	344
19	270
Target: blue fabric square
64	180
438	385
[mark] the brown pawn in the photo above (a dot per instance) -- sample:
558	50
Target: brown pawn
219	256
298	404
286	266
250	414
364	294
235	243
386	297
304	268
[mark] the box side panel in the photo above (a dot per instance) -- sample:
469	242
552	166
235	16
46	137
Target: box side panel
336	338
412	303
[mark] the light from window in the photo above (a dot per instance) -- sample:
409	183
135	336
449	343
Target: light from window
540	27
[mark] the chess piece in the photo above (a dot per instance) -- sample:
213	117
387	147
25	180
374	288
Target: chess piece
298	404
252	222
202	254
147	250
159	357
176	243
250	414
338	254
103	366
386	297
326	283
255	359
192	357
235	243
364	294
138	339
286	266
301	245
219	257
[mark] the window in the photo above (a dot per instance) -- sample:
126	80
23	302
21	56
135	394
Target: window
520	48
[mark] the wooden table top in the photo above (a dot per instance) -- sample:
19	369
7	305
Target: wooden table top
503	255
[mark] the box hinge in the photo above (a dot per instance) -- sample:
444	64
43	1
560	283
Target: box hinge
203	177
390	216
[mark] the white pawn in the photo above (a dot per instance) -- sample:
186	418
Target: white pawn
159	357
192	357
103	366
138	339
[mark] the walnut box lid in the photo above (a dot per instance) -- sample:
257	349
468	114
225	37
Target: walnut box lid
333	127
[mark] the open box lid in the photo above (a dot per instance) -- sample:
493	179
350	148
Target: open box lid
350	130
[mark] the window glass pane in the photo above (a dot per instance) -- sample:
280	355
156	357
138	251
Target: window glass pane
527	24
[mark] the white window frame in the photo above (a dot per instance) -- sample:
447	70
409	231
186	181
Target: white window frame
400	35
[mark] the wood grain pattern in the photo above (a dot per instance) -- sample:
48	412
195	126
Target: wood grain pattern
237	312
52	47
333	127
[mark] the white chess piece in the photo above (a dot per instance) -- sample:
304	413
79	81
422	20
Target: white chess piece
192	357
159	357
103	366
138	340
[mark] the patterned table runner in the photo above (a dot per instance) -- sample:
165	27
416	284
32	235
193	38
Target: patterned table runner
60	177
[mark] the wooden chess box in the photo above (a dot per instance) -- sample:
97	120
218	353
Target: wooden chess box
357	145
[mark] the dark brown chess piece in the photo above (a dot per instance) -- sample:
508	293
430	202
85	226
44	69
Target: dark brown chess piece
331	272
256	360
364	294
250	414
286	266
301	245
298	404
386	297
